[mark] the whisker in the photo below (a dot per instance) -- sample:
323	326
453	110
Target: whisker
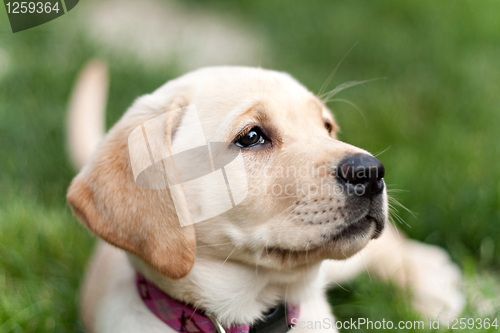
365	266
395	201
215	275
208	245
307	216
326	97
383	151
337	283
287	197
395	216
351	104
292	207
341	286
395	190
332	73
227	258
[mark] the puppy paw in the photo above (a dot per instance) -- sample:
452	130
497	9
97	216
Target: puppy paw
434	280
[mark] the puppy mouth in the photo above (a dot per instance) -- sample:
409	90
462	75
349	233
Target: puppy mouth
360	227
292	256
355	230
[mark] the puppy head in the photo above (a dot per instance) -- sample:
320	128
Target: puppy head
287	141
302	205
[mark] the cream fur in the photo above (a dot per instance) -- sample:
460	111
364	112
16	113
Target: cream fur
228	266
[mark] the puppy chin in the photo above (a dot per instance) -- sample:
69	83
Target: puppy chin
339	248
348	246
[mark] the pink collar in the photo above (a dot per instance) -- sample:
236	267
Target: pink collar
184	318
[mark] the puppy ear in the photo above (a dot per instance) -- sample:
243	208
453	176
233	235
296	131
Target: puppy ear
145	222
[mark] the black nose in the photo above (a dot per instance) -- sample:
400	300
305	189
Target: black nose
361	175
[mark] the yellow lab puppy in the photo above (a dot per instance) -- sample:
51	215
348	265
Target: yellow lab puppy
222	194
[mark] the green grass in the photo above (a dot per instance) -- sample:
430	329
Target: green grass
42	255
435	117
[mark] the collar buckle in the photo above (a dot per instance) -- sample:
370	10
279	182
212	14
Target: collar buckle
217	325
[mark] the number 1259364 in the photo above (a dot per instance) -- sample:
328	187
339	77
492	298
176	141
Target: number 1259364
26	7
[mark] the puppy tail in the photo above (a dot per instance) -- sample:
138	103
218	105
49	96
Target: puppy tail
86	114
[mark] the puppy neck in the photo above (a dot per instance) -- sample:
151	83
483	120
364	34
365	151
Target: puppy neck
234	293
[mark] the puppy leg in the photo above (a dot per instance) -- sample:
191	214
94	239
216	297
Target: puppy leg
426	270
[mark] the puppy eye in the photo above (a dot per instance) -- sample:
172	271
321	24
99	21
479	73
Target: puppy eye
251	138
329	127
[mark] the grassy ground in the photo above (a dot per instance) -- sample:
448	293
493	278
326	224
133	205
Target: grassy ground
434	117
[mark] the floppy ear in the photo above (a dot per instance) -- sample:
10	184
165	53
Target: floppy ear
106	199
